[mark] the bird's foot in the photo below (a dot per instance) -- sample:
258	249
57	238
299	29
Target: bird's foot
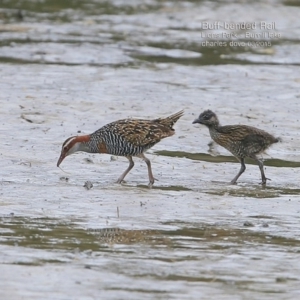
120	180
264	180
151	182
233	182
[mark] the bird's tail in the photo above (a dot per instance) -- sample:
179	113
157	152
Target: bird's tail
171	120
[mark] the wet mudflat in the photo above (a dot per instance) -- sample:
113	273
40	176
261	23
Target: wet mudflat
69	68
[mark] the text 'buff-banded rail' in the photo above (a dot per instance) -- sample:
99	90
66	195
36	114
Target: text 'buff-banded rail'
128	137
241	140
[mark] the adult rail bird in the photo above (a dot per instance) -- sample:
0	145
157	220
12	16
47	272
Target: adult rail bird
241	140
128	137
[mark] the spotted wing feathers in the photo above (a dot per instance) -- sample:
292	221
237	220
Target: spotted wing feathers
141	132
248	133
171	120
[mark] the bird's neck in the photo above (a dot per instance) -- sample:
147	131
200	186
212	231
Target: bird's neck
83	143
213	126
214	130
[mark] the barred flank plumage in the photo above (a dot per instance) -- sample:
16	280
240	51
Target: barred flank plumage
130	137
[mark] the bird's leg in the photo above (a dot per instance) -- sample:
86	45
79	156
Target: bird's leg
147	161
261	167
131	164
241	171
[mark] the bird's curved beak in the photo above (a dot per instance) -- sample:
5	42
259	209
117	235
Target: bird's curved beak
196	121
61	158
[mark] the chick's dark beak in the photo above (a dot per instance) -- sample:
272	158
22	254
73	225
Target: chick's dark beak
196	121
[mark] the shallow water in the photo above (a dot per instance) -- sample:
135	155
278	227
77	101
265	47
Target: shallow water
69	67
